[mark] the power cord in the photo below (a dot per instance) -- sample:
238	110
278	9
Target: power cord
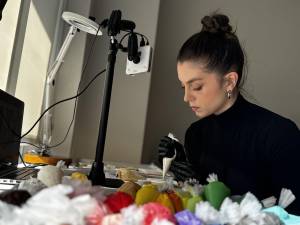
64	100
75	104
61	101
83	73
67	99
50	107
141	35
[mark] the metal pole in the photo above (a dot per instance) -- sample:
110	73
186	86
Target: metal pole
97	175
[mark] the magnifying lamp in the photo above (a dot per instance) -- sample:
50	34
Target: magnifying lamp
77	23
82	23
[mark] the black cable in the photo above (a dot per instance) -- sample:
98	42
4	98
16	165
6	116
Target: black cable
124	37
135	33
64	100
21	157
77	95
69	128
67	99
143	36
76	98
73	117
28	143
61	101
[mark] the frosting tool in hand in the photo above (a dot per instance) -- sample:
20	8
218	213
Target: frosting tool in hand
166	160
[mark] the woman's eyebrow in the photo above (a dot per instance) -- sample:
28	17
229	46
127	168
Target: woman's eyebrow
191	81
194	79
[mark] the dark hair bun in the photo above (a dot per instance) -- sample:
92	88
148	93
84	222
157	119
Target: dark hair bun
216	23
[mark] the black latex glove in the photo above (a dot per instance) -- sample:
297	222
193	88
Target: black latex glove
166	148
182	170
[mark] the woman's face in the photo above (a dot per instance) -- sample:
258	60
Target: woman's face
205	92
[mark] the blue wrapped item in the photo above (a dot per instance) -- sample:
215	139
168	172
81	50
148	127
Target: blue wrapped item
283	215
186	217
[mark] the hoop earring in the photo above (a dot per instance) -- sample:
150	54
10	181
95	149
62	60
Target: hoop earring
229	94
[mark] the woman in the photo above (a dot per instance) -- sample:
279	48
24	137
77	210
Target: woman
247	146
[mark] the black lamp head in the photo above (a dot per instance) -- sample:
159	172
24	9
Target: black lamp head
114	24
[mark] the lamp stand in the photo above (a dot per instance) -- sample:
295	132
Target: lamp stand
97	175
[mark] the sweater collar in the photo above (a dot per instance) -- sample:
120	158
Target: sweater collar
233	111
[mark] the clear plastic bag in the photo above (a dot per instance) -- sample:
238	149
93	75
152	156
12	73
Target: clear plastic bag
51	206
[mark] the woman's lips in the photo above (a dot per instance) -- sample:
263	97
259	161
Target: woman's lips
195	108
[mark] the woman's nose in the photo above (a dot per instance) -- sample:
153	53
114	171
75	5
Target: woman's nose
187	95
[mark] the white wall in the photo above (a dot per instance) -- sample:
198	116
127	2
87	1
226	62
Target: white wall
34	58
8	27
269	33
129	100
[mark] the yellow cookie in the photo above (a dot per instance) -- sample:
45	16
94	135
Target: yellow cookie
79	176
148	193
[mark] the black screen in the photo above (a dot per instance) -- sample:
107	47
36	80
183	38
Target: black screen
11	118
2	4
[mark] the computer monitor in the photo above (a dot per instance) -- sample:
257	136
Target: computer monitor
11	119
2	4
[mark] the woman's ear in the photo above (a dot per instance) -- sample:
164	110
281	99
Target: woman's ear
230	81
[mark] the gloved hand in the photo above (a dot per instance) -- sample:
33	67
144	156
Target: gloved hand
182	170
180	166
166	148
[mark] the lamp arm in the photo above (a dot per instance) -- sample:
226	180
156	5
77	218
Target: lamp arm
61	54
51	74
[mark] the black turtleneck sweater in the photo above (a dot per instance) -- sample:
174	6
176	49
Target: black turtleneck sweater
250	149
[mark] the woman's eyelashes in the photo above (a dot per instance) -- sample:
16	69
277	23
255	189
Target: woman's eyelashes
196	87
193	87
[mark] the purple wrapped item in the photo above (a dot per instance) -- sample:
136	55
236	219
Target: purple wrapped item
186	217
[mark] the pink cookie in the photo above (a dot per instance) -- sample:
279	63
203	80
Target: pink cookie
157	211
98	214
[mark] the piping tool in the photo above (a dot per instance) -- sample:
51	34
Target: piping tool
167	161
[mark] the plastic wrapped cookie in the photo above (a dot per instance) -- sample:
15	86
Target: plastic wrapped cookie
50	175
